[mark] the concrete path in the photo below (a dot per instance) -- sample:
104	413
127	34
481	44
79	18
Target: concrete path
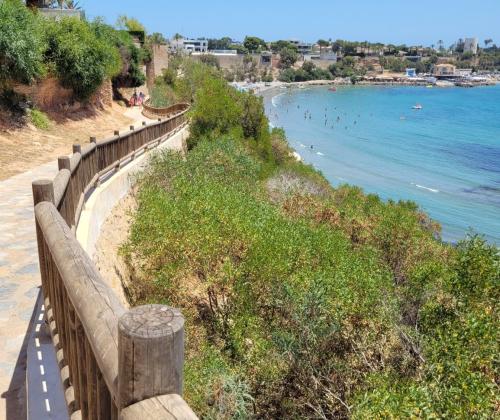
19	284
20	281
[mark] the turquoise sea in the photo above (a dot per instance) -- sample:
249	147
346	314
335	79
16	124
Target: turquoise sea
445	157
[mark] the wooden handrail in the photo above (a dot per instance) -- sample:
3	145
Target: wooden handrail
154	112
113	362
164	407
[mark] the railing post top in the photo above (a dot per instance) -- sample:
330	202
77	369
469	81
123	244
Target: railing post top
77	148
150	353
43	190
159	119
93	140
116	132
151	321
63	162
132	128
144	123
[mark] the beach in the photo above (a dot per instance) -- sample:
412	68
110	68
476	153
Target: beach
444	157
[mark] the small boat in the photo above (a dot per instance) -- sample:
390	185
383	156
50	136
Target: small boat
417	106
333	89
429	86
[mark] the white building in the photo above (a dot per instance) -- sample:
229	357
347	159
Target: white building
471	45
302	47
189	46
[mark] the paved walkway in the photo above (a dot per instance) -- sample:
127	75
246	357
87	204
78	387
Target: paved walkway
20	281
19	284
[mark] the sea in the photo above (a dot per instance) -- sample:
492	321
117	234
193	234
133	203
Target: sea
444	156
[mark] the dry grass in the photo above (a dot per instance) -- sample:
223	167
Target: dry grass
23	147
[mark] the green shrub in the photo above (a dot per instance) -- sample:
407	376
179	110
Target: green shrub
39	119
302	300
82	58
282	297
162	95
21	44
128	73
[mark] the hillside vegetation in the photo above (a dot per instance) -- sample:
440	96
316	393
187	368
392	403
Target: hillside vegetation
302	300
80	54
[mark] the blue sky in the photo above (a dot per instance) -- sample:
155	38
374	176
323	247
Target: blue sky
390	21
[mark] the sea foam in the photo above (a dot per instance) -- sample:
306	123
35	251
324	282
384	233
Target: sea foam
425	188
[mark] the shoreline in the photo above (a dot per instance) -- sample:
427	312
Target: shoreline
259	88
482	224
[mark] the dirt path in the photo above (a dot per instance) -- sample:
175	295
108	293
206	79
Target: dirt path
28	147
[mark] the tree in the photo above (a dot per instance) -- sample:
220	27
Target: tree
82	56
210	60
459	47
72	4
156	38
220	44
288	57
277	46
21	44
254	44
323	44
130	24
487	42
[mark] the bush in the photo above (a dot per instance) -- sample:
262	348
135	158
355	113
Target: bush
39	119
210	60
216	110
162	95
82	58
21	44
268	284
308	71
303	300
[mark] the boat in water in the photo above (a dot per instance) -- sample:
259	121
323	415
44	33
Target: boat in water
333	89
417	106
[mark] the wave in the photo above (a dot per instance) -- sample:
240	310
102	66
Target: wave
274	100
302	145
320	154
433	190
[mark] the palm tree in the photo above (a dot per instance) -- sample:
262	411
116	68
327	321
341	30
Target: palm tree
72	4
322	44
487	41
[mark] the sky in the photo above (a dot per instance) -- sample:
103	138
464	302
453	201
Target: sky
413	22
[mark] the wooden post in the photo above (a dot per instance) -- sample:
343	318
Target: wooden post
93	140
132	128
77	148
116	132
43	190
144	123
150	353
63	162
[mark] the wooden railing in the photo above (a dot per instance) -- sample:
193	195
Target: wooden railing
115	363
153	112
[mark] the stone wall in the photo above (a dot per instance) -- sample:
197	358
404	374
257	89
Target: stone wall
159	62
